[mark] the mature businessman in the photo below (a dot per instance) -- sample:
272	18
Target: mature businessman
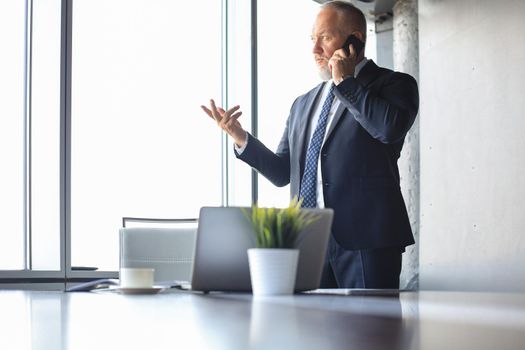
340	149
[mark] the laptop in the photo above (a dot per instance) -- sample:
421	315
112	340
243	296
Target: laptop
224	235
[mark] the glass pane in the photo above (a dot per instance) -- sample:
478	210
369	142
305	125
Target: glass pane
45	136
12	23
140	145
286	64
239	93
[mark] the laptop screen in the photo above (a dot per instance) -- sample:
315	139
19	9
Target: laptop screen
225	234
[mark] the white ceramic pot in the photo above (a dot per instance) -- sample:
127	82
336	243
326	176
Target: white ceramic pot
273	271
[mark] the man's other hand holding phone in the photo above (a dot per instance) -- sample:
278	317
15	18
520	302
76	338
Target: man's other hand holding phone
343	61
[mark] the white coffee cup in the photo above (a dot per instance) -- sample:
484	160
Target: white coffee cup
136	277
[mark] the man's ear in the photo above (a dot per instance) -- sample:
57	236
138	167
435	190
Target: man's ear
359	36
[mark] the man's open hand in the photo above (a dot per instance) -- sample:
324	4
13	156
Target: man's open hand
227	121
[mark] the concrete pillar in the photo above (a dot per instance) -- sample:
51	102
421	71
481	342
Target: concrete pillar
406	59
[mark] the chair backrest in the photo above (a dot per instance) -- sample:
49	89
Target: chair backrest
168	250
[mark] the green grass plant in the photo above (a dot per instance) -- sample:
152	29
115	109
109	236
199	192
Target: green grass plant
279	227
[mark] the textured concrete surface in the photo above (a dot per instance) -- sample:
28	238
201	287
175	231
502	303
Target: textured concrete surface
406	59
472	232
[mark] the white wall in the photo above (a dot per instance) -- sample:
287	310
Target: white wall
472	118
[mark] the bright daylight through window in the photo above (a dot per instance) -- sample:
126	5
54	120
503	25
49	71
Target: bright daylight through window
30	135
136	143
140	145
285	62
12	134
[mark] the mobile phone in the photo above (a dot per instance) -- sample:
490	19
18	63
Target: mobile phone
356	43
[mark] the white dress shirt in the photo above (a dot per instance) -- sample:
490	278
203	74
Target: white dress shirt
313	123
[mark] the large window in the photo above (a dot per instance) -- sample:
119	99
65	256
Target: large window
12	149
140	145
238	87
100	117
45	136
29	135
286	71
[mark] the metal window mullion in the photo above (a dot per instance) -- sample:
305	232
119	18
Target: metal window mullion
28	246
254	92
224	100
28	275
65	136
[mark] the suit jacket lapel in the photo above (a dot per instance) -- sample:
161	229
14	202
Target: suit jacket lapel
366	76
303	122
338	113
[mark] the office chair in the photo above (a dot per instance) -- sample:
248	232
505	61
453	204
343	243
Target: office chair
166	245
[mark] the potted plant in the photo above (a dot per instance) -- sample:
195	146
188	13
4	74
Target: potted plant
273	263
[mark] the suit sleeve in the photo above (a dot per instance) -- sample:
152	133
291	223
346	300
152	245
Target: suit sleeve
387	115
274	166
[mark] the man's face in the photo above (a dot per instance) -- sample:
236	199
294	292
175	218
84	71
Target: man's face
327	37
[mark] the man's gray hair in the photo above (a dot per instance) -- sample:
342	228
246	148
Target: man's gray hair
354	17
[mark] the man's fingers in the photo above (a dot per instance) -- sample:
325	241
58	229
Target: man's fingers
232	110
352	52
233	119
225	119
214	111
340	53
228	114
236	115
208	112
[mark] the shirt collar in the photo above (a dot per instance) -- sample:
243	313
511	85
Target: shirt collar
360	66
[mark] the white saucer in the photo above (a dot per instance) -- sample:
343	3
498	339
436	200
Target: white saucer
151	290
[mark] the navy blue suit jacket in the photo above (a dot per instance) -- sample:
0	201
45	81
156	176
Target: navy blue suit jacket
358	159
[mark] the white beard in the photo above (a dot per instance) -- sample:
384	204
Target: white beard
324	73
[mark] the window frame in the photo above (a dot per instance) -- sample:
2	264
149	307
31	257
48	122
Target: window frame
66	274
28	274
